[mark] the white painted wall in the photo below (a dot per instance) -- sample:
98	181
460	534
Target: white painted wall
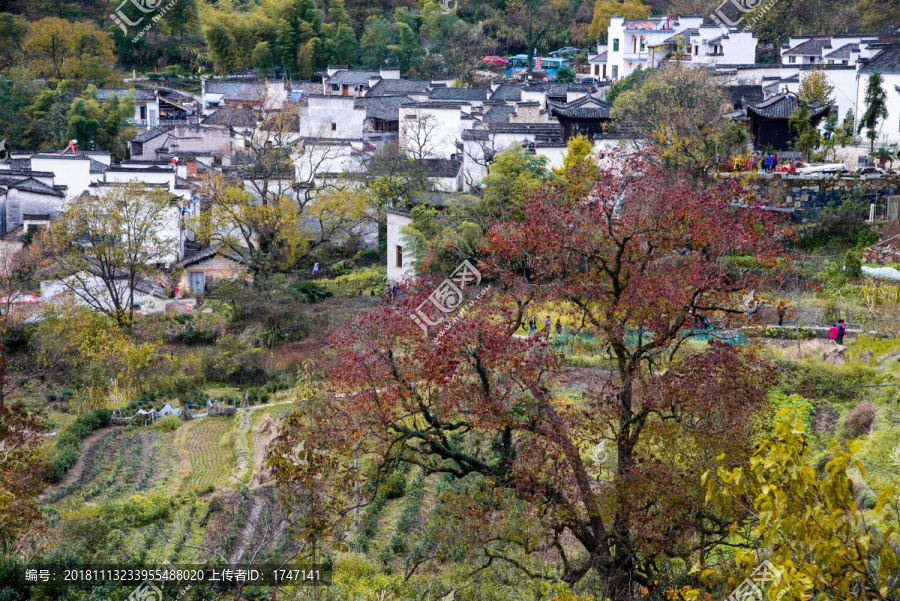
333	117
72	172
889	128
445	127
395	222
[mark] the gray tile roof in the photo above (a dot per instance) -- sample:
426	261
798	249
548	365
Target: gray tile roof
398	87
499	113
683	35
811	47
465	94
33	185
843	53
232	116
436	197
886	61
782	106
139	94
441	167
98	167
237	90
153	132
586	107
509	92
740	94
386	108
359	78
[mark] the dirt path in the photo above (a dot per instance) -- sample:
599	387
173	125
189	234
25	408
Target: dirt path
85	463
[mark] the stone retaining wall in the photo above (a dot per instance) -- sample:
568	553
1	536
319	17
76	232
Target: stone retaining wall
807	195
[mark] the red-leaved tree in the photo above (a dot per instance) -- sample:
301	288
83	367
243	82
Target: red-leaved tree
21	470
636	260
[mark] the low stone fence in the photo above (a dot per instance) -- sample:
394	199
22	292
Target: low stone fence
806	195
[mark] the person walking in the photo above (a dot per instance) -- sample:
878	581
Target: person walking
768	162
532	326
558	326
547	324
842	329
833	333
316	269
781	309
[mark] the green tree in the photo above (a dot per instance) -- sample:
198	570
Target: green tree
379	33
115	128
806	131
262	57
566	75
83	122
681	114
18	90
512	175
815	88
632	81
221	44
102	246
286	46
46	118
876	108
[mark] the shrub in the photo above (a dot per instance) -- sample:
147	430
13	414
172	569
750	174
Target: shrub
309	292
169	423
394	486
67	442
860	419
408	513
369	254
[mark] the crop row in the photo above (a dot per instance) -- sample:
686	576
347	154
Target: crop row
414	493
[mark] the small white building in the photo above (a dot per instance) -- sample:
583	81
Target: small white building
146	112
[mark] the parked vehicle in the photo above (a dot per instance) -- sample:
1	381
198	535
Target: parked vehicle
494	60
548	65
566	50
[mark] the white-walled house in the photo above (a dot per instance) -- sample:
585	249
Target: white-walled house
825	49
398	265
634	43
90	291
432	129
146	111
333	117
884	58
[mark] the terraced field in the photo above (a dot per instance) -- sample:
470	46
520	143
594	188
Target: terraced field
206	453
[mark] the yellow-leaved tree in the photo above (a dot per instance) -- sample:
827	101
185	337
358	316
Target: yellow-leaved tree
681	114
579	164
808	524
604	10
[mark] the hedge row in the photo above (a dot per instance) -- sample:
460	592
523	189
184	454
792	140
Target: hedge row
414	493
68	441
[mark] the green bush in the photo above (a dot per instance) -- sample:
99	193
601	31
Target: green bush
394	487
369	254
409	512
781	333
68	441
169	423
309	292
